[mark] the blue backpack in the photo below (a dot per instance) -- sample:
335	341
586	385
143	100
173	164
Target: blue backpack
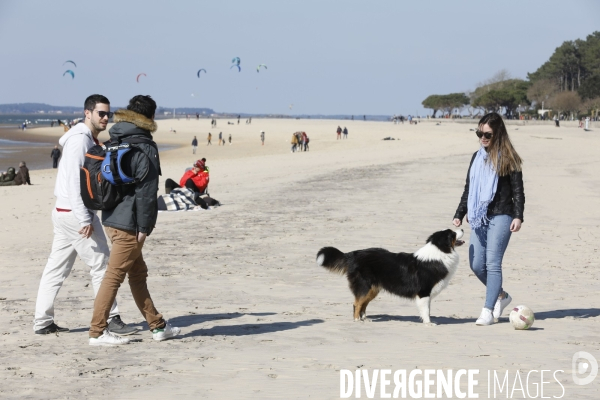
102	176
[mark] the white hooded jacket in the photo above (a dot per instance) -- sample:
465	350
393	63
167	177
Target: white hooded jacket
75	143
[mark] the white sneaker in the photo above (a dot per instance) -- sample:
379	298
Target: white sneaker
500	305
108	339
486	317
165	333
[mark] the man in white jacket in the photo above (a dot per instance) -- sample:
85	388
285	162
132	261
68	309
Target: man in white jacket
77	230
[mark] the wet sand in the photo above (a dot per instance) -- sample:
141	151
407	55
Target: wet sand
32	147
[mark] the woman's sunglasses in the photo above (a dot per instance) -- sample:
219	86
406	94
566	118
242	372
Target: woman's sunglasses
487	135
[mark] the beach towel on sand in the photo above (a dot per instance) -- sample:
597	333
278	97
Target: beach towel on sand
178	199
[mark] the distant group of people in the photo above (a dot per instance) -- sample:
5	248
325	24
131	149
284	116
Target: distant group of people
299	142
341	131
15	178
213	123
584	123
397	119
209	141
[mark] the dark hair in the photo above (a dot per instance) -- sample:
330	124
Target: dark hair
503	156
91	101
142	105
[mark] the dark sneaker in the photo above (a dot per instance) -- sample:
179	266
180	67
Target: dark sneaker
52	328
120	328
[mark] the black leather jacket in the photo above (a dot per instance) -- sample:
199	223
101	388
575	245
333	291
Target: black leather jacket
509	198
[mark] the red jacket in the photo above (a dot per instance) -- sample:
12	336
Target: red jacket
200	179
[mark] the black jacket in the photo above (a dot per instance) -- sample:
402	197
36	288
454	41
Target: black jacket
22	176
139	209
509	198
55	153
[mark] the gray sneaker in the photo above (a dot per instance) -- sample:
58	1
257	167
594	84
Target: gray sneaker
120	328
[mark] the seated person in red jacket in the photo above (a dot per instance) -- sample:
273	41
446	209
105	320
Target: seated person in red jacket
195	178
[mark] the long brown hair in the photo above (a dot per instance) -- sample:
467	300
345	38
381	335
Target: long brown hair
502	155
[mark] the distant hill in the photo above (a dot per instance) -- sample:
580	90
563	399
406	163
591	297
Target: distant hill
184	110
34	108
167	112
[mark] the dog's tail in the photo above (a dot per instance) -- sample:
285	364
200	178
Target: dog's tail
332	259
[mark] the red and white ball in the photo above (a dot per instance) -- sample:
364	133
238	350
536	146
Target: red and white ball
521	317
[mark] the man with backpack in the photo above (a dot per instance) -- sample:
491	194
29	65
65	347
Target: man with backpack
77	230
128	224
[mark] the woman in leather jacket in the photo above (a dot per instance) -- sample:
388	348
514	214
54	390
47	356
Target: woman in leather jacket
493	201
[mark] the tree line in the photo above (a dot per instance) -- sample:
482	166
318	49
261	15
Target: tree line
568	83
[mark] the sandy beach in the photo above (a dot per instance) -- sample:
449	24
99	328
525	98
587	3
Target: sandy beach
261	320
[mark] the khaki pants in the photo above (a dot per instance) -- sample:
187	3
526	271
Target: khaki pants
125	259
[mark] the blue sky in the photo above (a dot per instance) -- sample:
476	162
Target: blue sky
324	57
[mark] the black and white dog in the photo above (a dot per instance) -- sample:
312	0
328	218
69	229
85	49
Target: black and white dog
420	275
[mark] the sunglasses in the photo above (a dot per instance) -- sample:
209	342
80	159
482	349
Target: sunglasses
487	135
103	114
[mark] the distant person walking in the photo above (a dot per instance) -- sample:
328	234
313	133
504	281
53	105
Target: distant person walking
194	145
294	142
209	139
345	131
55	155
364	117
262	137
339	133
220	137
305	141
230	139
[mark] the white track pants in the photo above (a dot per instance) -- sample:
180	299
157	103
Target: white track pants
67	244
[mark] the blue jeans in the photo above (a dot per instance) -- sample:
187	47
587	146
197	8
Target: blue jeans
486	250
